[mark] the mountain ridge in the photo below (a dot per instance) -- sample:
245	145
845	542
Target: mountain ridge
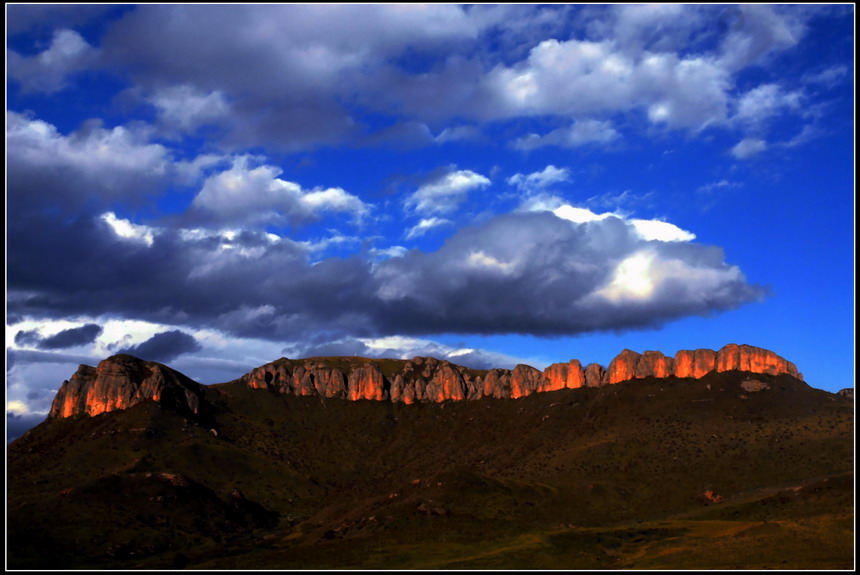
735	470
122	381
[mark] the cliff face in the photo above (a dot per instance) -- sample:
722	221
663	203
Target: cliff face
121	381
694	364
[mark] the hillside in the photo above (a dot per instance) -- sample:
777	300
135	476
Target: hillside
726	471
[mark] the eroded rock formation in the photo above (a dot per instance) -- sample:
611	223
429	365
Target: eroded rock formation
121	381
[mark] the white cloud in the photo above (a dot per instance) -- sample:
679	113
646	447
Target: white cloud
648	230
404	347
540	181
446	193
184	107
125	229
108	154
661	231
580	215
424	226
48	71
17	407
580	133
247	194
764	102
639	277
632	279
581	78
747	148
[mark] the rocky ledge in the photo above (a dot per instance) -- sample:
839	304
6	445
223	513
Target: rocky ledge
122	381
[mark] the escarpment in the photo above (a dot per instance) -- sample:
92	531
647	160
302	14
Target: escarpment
122	381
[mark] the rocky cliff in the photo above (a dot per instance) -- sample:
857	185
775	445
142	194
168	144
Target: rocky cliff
429	379
121	381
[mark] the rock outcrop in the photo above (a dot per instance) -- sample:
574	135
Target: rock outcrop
694	364
429	379
563	376
753	360
594	373
121	381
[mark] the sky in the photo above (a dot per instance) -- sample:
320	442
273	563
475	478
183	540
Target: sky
214	187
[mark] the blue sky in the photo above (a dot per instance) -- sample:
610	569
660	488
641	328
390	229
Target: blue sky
214	187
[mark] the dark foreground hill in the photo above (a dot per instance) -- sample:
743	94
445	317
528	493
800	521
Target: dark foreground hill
728	471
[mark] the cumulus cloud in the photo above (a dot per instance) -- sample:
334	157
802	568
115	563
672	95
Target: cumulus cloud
300	87
48	71
578	78
184	107
524	272
539	273
249	194
444	193
164	346
92	166
303	62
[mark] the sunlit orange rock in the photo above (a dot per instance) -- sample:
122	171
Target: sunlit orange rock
622	367
694	364
122	381
525	380
497	383
445	383
754	360
366	382
563	376
653	364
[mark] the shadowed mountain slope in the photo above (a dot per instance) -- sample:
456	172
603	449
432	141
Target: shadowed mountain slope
730	470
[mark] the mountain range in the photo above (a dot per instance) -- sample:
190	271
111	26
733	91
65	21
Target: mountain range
708	459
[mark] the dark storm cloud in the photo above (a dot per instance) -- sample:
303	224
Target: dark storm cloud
67	338
164	346
285	72
27	338
519	273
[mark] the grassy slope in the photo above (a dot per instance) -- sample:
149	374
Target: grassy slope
612	477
